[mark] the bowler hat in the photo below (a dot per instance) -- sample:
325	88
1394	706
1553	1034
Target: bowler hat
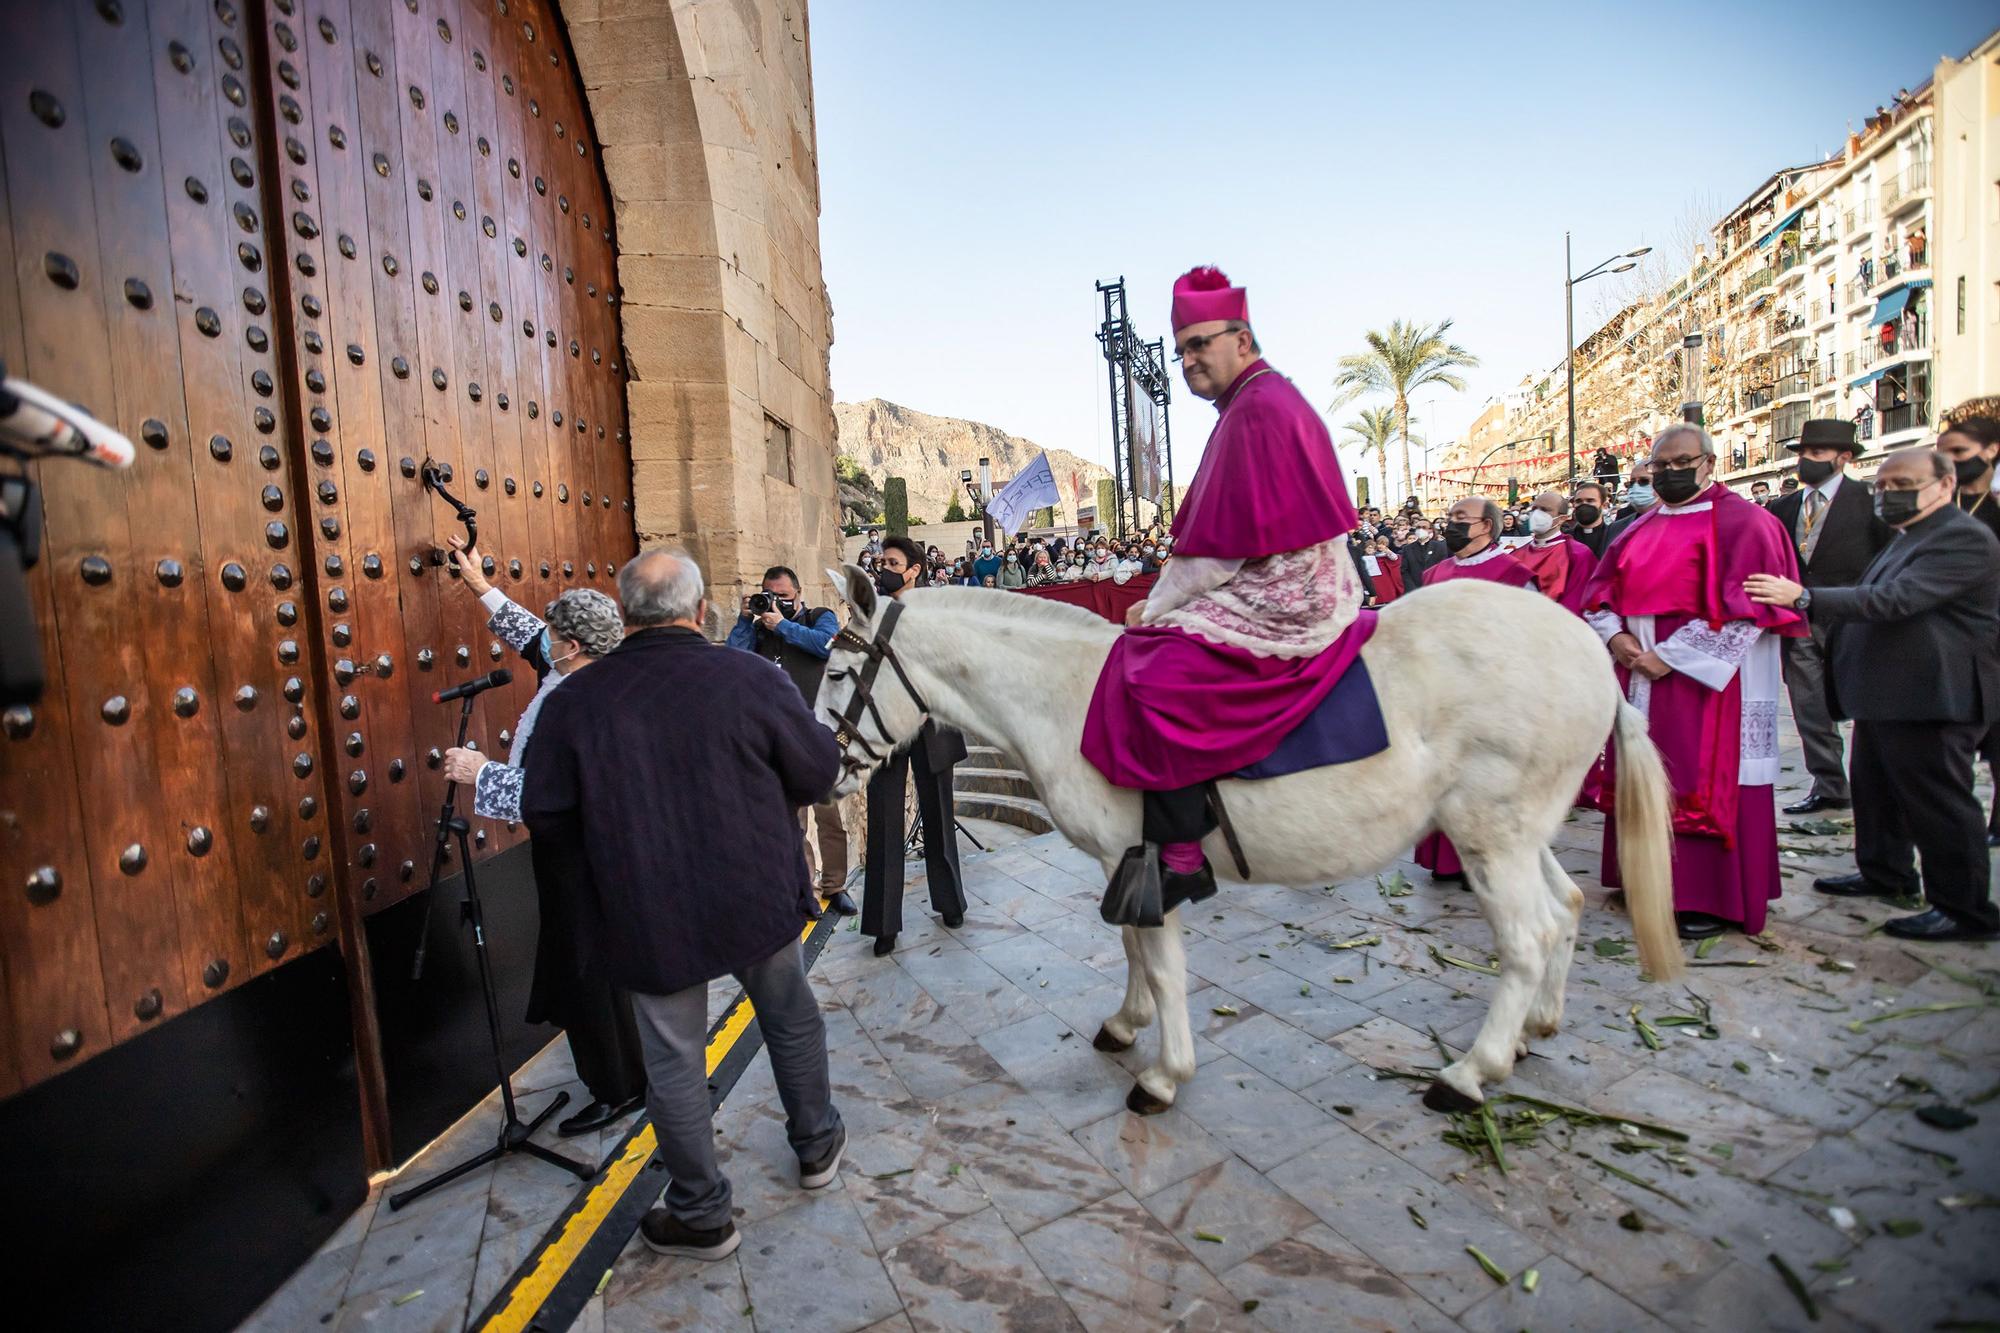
1828	432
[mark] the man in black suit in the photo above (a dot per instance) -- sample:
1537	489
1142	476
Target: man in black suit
1418	554
1916	663
928	761
1587	513
1971	439
1833	527
1639	497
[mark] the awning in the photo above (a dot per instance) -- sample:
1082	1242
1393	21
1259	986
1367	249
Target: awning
1891	306
1781	228
1871	377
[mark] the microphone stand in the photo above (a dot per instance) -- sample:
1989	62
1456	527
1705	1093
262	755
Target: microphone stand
514	1132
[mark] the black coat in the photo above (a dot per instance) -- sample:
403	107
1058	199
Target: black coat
666	782
1418	557
1850	534
1918	638
1597	538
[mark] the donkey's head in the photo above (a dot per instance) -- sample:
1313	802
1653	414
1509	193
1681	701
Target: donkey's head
873	711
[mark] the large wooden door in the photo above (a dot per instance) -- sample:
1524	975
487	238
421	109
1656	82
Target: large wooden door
294	249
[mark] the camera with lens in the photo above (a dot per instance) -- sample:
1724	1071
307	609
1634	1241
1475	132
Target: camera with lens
762	603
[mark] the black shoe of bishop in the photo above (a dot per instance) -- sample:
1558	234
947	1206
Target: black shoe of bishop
1815	803
1177	887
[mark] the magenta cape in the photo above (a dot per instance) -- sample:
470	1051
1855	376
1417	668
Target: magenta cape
1502	568
1561	569
1172	709
1688	567
1268	481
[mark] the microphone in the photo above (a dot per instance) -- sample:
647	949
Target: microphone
35	422
465	690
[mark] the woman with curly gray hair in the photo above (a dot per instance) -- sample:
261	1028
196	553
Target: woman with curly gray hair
575	630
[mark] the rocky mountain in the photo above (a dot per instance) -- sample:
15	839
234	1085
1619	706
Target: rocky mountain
886	439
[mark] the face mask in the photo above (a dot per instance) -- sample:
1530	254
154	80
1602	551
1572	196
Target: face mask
1677	485
1813	471
985	552
1898	507
1540	521
1587	514
1013	559
888	582
1640	495
1457	536
1970	469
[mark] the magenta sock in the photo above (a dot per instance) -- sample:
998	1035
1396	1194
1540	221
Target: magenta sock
1183	858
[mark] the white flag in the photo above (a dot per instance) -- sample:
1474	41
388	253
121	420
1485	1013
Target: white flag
1034	488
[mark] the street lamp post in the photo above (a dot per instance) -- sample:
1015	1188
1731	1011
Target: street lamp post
1570	280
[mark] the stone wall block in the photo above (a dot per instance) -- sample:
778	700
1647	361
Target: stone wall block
674	345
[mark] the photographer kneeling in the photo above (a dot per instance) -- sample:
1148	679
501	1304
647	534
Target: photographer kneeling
582	626
776	625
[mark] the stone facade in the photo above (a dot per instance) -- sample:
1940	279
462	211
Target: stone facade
704	110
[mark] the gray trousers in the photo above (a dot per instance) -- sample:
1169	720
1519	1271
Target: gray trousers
673	1035
1819	734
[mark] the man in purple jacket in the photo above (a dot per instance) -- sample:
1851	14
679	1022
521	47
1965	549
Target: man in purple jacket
668	789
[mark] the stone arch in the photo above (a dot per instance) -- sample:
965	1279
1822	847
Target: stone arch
704	110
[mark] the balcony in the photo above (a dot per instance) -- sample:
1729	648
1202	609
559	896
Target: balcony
1795	385
1758	280
1858	291
1856	222
1756	400
1906	189
1792	257
1905	416
1819	237
1824	371
1910	336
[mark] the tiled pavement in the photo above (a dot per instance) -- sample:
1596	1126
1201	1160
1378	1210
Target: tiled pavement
994	1179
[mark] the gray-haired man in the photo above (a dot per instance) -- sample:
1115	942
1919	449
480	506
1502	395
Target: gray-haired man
671	787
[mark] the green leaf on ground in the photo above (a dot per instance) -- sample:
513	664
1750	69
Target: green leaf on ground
1608	948
1903	1227
1493	1270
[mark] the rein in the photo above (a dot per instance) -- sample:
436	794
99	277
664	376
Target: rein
875	651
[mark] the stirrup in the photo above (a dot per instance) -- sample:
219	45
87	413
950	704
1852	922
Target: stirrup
1134	895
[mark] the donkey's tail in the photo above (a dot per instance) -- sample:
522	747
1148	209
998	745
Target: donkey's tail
1645	845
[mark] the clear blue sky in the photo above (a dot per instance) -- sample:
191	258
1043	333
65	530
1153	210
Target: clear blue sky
982	165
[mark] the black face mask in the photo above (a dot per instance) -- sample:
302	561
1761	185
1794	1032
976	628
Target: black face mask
1676	485
1814	471
1970	469
888	582
1586	514
1896	507
1457	536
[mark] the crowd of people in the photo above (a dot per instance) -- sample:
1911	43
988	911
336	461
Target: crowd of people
1033	561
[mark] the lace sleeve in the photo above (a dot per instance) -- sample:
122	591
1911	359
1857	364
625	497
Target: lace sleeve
496	790
1608	624
515	624
1710	656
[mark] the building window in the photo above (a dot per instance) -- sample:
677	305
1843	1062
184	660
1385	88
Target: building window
1961	303
778	449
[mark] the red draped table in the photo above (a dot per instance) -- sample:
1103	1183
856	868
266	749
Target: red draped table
1106	597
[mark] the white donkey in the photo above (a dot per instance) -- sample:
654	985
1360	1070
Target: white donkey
1487	745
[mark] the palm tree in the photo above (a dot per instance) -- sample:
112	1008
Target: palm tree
1373	430
1398	363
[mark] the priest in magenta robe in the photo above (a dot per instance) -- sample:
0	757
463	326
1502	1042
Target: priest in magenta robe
1701	660
1471	532
1560	563
1258	613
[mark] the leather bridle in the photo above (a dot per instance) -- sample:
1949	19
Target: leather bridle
875	652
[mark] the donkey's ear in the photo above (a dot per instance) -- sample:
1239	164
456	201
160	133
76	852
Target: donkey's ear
855	588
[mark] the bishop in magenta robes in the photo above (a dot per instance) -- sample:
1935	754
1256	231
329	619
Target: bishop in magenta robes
1471	529
1560	563
1258	613
1701	660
